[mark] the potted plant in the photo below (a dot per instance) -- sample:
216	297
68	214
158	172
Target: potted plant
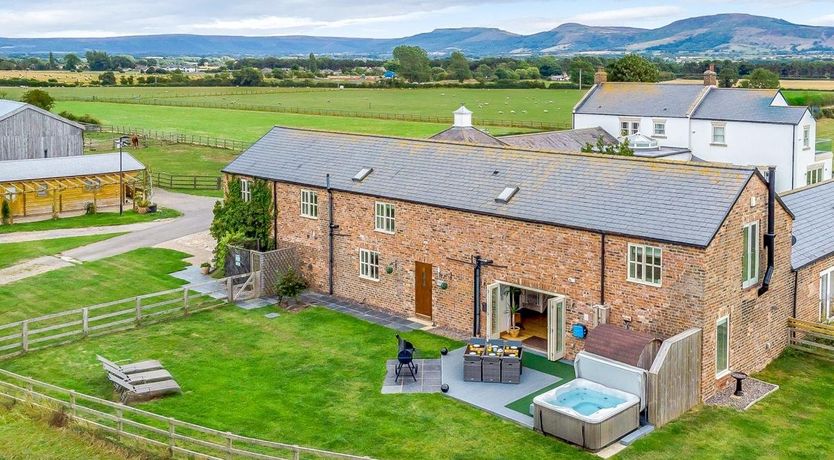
514	307
142	205
205	268
289	285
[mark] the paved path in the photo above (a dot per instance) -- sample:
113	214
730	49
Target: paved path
196	218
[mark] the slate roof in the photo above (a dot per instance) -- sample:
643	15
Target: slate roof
9	108
753	105
641	99
572	140
467	135
671	201
49	168
813	208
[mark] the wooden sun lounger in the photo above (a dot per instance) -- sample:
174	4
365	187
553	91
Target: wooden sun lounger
132	368
139	378
130	392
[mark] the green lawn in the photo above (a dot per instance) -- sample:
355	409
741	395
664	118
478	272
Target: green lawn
95	220
311	378
12	253
137	272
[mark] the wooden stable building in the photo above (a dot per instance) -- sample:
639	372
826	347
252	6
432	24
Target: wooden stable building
28	132
56	185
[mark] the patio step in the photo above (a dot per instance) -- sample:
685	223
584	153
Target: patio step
636	434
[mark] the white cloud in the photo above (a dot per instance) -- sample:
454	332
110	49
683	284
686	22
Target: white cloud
824	20
626	16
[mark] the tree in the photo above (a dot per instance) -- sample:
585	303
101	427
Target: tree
248	76
98	60
312	63
762	79
484	71
633	68
107	79
38	98
413	63
438	74
458	68
728	75
587	72
122	62
52	63
71	62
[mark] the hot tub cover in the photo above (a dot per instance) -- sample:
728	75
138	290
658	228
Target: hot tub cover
611	374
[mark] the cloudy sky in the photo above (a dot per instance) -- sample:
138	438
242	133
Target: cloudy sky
365	18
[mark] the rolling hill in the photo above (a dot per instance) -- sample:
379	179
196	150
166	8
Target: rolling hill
723	34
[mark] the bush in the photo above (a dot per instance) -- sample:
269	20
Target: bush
38	98
86	118
222	249
90	209
5	213
290	285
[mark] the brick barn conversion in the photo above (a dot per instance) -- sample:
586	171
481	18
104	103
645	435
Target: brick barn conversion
657	246
28	132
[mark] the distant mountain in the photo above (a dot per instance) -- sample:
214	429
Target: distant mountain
725	34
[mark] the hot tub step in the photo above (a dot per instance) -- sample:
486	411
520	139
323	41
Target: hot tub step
636	434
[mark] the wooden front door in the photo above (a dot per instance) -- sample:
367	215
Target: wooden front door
422	289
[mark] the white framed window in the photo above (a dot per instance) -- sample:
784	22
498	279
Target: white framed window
722	346
384	220
660	128
42	190
645	264
719	134
750	255
245	190
827	295
309	204
814	173
806	137
629	127
369	265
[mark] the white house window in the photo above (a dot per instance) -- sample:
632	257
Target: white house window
722	346
644	264
42	190
750	256
245	191
826	295
660	128
369	264
309	204
719	134
384	218
629	127
806	137
814	173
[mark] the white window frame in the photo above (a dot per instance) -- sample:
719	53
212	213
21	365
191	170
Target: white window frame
815	171
662	125
643	265
826	295
629	126
369	265
806	137
753	244
309	206
723	140
722	372
385	218
245	190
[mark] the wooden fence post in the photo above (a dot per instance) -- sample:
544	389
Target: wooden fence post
296	454
185	301
138	310
171	428
72	403
229	445
85	321
24	336
119	424
230	290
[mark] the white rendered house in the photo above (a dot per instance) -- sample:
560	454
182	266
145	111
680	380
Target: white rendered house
694	122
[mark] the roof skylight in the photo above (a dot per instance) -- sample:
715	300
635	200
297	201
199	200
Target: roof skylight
506	195
362	174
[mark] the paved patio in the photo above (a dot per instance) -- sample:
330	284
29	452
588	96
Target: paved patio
362	312
493	397
427	378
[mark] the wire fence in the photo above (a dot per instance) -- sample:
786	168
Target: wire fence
174	137
409	117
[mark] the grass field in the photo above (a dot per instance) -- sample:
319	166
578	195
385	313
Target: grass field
137	272
311	378
12	253
95	220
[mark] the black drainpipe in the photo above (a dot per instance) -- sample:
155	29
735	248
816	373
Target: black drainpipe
770	237
795	287
331	229
476	321
275	213
602	271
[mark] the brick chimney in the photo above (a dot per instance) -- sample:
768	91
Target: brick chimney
710	77
600	76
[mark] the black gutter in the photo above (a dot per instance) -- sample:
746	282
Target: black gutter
275	213
770	237
331	228
602	269
476	317
795	290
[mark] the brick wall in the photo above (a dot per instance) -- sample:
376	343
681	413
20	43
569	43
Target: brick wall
808	289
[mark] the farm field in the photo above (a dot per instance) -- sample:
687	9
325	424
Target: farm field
136	272
12	253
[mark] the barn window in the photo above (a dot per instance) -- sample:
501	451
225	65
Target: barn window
645	264
245	191
722	346
369	265
384	221
309	204
42	190
750	255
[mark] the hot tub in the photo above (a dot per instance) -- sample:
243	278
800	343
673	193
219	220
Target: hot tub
599	407
586	413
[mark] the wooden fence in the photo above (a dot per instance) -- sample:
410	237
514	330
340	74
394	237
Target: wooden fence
174	137
178	438
67	326
181	181
541	125
814	338
675	377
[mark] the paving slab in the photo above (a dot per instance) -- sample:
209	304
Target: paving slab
427	379
362	312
